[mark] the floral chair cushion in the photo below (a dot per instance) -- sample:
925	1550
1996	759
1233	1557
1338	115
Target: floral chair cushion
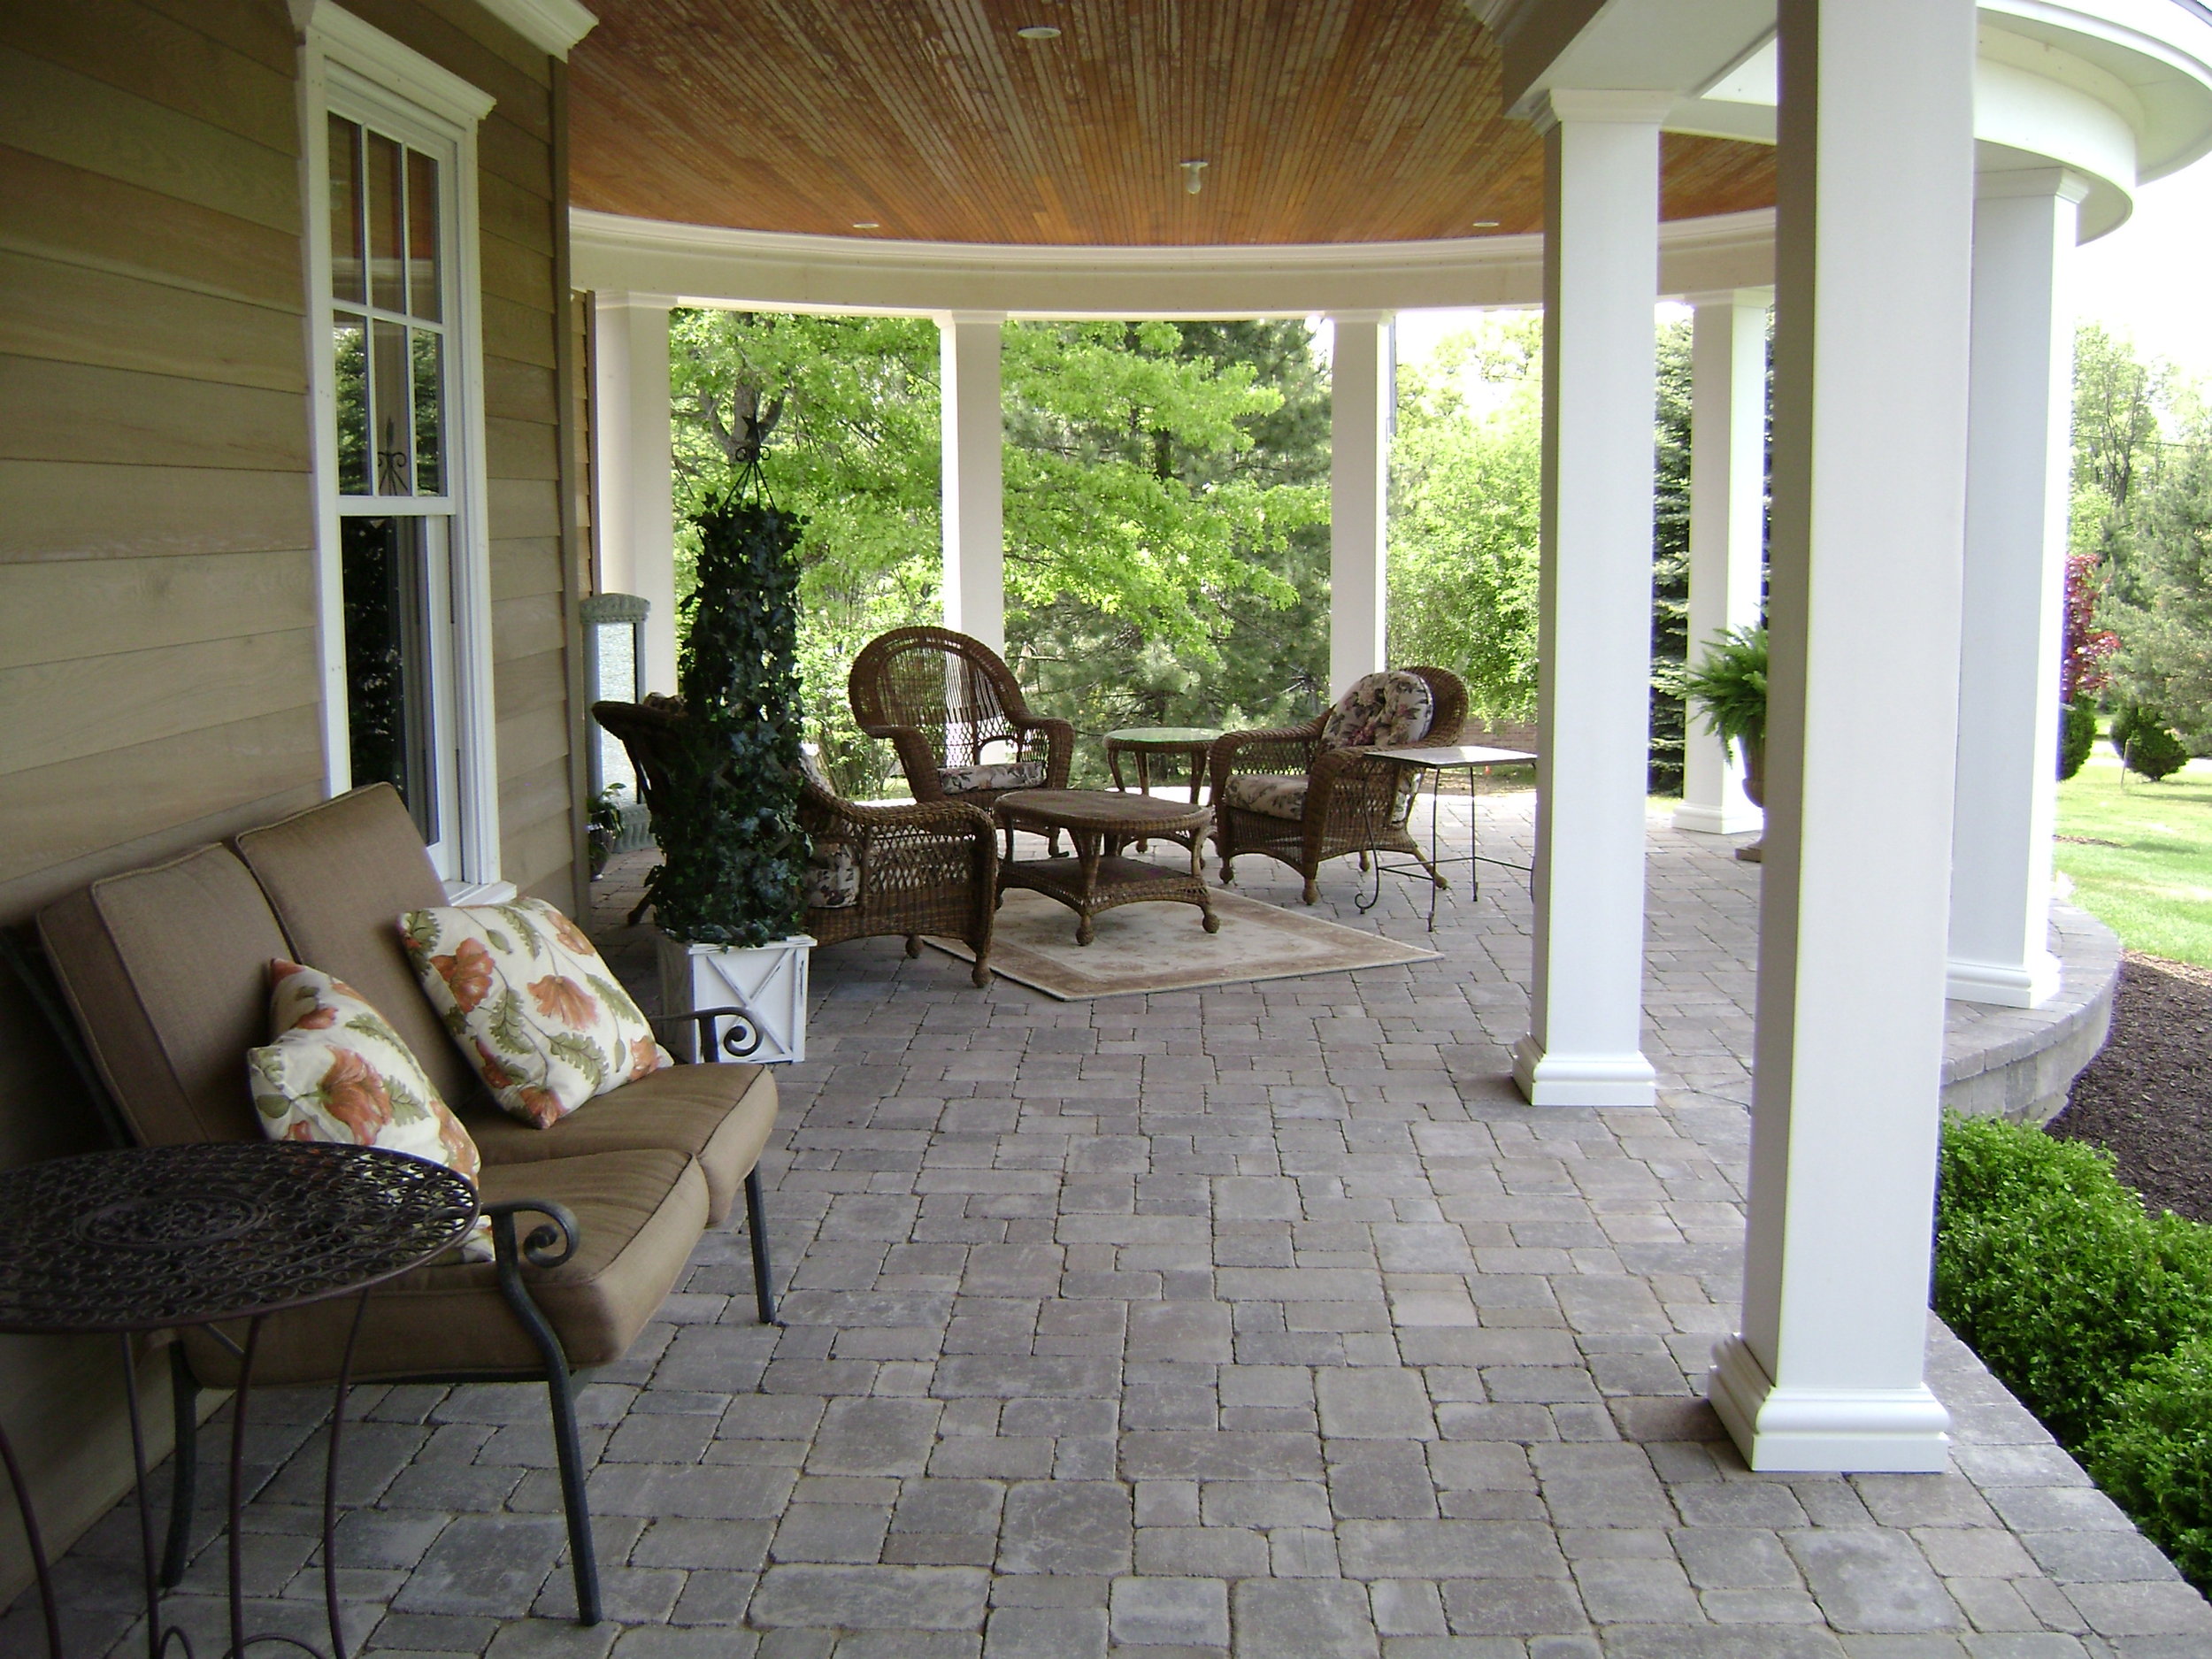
833	877
810	769
1016	774
1381	712
527	996
335	1071
1270	794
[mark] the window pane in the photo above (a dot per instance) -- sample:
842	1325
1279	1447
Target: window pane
348	340
395	425
384	566
422	234
346	274
387	289
429	354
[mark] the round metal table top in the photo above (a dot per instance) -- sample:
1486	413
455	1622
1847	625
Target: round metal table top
160	1236
1105	809
1166	736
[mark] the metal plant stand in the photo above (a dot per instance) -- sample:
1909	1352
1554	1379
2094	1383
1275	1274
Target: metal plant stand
159	1237
1470	758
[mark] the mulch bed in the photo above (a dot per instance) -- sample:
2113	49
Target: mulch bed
2148	1098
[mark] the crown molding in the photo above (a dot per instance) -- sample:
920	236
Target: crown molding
370	51
553	26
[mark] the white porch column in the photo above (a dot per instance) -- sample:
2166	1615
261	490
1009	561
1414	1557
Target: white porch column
1874	198
1361	394
2018	460
1728	366
1601	270
634	464
974	476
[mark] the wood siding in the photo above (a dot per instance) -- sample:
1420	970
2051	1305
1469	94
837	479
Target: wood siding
158	572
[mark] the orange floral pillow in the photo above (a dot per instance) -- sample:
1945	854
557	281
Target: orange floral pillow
336	1071
532	1005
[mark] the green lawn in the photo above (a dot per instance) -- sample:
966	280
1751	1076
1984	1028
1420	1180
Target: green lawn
2142	864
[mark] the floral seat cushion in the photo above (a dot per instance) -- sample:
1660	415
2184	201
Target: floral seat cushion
1016	774
1271	795
833	877
531	1004
1381	712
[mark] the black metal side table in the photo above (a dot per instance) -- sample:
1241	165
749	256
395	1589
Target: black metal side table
158	1238
1470	758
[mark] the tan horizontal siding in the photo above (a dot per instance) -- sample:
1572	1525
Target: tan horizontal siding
523	275
524	507
519	391
520	332
82	510
522	449
538	858
74	411
514	214
525	565
68	314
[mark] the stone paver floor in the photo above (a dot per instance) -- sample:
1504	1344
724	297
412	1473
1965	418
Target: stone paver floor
1259	1321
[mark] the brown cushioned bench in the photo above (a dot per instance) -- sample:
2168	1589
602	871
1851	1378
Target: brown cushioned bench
166	972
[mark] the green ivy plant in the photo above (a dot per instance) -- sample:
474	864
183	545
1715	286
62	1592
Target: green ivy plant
1729	687
733	852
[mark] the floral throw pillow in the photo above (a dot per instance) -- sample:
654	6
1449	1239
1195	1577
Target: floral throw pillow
1381	710
336	1071
532	1005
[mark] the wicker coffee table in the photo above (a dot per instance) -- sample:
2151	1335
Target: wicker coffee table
1101	823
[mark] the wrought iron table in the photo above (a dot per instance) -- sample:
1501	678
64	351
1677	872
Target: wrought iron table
1470	758
158	1238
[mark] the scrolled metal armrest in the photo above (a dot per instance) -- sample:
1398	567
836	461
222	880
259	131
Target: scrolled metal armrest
741	1042
538	1247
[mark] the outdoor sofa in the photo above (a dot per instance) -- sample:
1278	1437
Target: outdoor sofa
165	970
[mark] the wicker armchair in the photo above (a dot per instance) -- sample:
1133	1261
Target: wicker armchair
1333	801
941	699
928	868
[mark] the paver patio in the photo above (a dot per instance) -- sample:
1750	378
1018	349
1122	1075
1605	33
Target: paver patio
1261	1320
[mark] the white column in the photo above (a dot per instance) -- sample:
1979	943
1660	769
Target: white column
1875	198
1600	270
974	481
1361	394
1728	450
2018	457
634	465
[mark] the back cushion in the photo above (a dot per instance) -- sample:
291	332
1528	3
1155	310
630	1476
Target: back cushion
167	972
1381	710
339	876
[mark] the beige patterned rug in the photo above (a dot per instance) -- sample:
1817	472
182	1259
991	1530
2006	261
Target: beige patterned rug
1159	946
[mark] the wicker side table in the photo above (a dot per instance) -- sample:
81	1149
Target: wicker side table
1098	878
120	1243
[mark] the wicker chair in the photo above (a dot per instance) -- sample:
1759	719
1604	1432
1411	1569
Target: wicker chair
928	868
1337	801
941	699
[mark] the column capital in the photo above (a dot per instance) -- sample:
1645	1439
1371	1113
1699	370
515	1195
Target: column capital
973	319
623	300
1748	298
1359	316
1561	105
2061	183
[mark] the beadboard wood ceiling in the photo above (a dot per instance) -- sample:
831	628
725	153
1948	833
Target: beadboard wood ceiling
932	121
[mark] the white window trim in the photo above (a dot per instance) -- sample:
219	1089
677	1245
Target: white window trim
374	73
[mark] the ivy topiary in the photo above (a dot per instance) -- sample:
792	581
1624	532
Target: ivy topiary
2146	743
2076	736
734	851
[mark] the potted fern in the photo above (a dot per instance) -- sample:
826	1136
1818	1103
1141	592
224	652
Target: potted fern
1729	687
726	895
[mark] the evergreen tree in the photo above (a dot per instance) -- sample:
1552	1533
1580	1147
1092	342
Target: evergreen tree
1670	560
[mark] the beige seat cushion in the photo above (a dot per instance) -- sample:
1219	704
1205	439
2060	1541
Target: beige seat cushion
167	971
721	1115
339	876
1270	794
640	1213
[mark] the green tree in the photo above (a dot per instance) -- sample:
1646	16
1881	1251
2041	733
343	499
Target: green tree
2119	401
1670	559
2165	621
1465	472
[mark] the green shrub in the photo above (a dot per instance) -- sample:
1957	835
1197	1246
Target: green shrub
2076	736
2146	743
2154	1455
2050	1270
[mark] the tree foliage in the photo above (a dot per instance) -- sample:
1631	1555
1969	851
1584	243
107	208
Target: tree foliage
1670	559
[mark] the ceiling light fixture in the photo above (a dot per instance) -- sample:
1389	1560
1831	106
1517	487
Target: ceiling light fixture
867	224
1486	224
1039	32
1192	180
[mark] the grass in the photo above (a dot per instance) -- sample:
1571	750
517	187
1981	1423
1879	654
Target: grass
2141	854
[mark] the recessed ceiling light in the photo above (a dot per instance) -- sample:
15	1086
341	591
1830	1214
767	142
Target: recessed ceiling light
1039	32
1486	224
867	224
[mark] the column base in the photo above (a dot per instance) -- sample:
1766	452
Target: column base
1839	1431
1583	1080
1700	819
2002	985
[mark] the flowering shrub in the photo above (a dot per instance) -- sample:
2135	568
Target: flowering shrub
2084	670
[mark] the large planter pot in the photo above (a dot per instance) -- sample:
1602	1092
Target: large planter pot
768	981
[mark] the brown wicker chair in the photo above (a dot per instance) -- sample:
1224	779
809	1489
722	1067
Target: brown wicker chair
928	868
1352	802
941	699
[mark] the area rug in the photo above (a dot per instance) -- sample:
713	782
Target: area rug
1157	946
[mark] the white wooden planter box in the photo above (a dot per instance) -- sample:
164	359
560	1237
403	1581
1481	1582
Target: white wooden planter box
768	981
